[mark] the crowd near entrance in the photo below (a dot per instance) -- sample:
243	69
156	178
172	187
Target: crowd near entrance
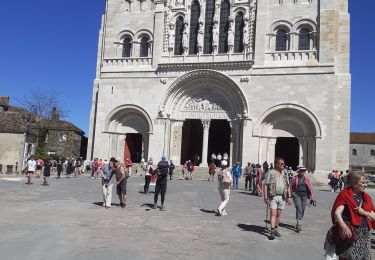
219	138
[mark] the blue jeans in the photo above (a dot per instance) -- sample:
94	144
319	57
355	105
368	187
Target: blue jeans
235	182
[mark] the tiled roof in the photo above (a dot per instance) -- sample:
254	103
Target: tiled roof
62	125
11	122
362	138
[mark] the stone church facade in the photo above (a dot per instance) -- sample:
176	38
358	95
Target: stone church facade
255	79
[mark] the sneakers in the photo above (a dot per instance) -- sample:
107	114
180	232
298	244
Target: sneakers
219	212
224	213
272	235
298	228
277	233
162	208
154	207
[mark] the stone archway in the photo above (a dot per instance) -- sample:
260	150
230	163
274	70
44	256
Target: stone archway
205	95
128	128
283	122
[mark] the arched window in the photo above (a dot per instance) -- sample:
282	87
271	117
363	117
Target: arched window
127	47
354	152
238	36
372	152
194	26
224	26
178	48
143	52
304	39
281	40
210	12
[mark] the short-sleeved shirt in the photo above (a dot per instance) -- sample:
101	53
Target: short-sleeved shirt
31	165
280	181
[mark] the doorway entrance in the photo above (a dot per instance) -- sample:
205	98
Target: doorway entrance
219	138
192	138
288	148
133	147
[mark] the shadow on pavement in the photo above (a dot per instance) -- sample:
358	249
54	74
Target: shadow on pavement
101	204
248	193
254	228
283	225
209	211
150	205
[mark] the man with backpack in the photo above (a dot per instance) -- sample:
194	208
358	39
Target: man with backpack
161	182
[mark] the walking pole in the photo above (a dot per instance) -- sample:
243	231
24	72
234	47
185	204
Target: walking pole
267	212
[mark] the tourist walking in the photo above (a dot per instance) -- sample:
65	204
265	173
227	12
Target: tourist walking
190	169
254	179
59	168
276	192
354	217
128	166
247	175
226	157
148	174
301	192
225	180
121	182
171	169
69	168
39	167
77	169
260	179
211	171
219	158
265	167
161	182
31	166
107	182
94	166
237	173
46	172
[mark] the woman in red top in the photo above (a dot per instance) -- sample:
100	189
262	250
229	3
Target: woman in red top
355	206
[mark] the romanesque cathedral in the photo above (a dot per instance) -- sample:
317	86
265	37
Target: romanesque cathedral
255	79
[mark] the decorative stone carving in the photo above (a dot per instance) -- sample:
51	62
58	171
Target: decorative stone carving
171	37
244	79
199	104
179	3
163	80
167	20
206	124
252	24
231	31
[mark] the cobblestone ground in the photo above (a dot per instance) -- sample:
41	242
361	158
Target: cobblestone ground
65	221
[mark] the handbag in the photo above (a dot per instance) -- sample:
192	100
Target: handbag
338	237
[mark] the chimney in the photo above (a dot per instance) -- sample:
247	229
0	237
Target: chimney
55	115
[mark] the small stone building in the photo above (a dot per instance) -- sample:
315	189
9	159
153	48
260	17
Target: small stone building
362	152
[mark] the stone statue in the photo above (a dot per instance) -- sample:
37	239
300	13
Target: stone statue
246	30
230	37
185	37
179	2
200	35
215	34
171	37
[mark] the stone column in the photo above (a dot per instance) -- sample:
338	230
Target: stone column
206	128
176	141
271	145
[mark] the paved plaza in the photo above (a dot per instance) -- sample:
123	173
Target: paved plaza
65	221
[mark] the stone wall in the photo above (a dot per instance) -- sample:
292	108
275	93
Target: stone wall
11	149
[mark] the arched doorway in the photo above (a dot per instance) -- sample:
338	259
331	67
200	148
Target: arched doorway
128	129
204	110
288	131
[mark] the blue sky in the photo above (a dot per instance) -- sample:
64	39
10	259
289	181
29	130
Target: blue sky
53	45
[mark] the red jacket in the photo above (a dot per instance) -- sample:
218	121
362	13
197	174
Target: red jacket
308	184
346	198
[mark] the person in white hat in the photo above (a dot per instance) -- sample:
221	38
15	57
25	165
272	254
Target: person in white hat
301	192
225	180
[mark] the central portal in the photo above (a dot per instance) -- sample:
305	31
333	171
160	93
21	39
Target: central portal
219	139
192	141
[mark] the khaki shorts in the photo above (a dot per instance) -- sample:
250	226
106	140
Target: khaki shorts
277	202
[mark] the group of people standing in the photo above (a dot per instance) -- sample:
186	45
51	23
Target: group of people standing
120	172
337	180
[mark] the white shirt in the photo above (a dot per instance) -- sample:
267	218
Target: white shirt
31	165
